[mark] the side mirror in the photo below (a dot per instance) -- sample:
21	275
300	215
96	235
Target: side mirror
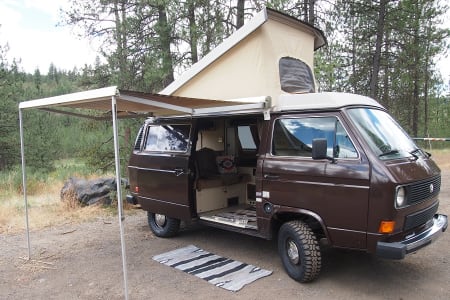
319	148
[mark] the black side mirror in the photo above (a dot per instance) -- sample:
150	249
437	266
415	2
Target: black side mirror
319	149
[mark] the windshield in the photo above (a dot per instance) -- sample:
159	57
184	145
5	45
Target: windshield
385	137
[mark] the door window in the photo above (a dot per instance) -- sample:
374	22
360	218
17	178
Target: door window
294	136
168	138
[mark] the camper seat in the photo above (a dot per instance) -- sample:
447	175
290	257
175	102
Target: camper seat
222	180
208	171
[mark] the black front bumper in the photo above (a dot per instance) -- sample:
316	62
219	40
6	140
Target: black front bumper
398	250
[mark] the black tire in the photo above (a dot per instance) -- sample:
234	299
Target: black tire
299	251
163	226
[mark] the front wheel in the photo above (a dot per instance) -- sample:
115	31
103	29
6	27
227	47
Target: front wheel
299	251
163	226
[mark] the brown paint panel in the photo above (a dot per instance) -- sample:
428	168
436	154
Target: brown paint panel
164	190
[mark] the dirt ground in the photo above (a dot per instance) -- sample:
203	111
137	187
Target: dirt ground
83	261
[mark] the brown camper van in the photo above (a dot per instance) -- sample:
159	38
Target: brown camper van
317	169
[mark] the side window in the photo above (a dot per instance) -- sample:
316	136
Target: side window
247	138
344	147
294	136
168	138
247	144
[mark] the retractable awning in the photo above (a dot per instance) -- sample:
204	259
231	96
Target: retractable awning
110	103
136	104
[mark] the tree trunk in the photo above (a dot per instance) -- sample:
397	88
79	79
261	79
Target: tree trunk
427	80
312	14
240	13
192	32
121	43
373	92
166	54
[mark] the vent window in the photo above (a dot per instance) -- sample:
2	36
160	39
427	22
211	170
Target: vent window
138	142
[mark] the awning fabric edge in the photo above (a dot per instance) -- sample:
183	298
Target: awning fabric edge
102	93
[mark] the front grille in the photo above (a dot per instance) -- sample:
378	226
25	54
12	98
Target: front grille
423	190
420	217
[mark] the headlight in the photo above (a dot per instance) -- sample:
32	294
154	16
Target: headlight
400	197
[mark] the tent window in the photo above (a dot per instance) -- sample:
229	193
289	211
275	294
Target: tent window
295	76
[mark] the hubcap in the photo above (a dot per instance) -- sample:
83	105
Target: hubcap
292	251
160	220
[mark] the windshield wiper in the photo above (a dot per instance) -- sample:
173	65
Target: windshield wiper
413	153
388	153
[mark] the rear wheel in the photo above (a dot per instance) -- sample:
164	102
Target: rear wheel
163	226
299	251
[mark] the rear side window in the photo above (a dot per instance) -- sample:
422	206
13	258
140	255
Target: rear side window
168	138
294	136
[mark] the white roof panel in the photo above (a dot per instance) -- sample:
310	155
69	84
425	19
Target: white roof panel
287	102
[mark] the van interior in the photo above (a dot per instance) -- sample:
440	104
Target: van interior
225	162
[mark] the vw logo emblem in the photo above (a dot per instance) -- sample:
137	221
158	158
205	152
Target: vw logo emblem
431	188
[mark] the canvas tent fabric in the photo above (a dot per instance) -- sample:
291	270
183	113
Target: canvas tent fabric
247	63
112	104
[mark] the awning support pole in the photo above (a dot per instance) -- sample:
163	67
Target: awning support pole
119	194
24	181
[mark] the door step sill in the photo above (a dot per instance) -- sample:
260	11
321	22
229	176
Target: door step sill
233	216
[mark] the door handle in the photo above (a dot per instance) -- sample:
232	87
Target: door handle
271	176
178	171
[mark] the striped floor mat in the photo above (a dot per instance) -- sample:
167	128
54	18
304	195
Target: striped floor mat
223	272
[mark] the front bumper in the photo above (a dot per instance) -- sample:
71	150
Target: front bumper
398	250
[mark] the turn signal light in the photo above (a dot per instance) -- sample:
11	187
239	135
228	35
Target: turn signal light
386	227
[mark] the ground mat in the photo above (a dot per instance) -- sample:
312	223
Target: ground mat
223	272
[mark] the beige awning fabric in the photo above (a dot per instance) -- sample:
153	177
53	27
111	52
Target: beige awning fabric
135	104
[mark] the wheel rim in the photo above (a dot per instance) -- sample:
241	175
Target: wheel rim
160	220
292	251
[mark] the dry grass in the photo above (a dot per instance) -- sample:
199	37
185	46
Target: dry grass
442	158
45	209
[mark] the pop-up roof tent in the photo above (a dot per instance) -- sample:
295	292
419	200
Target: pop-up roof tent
271	55
257	60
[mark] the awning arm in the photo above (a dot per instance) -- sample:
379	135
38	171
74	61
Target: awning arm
156	104
119	193
24	181
70	113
